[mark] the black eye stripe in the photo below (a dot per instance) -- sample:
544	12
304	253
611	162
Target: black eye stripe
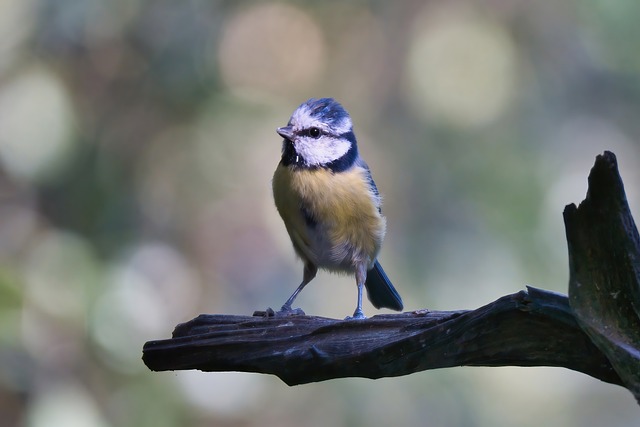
313	132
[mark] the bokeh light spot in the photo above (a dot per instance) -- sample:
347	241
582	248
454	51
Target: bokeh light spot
242	392
60	271
147	293
271	48
67	405
35	124
460	68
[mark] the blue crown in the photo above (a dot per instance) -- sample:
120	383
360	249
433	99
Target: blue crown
328	110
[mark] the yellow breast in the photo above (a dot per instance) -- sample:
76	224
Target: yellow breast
347	228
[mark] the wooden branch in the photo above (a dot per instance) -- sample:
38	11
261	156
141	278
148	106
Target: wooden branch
530	328
604	264
596	332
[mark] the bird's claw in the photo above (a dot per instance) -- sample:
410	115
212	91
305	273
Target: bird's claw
357	315
288	311
284	311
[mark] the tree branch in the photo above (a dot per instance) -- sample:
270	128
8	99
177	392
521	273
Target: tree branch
534	328
597	334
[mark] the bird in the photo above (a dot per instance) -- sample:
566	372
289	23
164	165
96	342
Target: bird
329	203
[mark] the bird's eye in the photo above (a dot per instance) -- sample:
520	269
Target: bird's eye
314	132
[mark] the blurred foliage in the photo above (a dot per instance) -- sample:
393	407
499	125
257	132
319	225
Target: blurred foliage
137	145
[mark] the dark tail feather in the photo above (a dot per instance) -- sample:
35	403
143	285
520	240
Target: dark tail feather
380	291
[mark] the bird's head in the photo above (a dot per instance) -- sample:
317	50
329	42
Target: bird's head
319	134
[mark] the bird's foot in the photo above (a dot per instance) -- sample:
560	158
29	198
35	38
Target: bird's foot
288	311
264	313
357	315
284	311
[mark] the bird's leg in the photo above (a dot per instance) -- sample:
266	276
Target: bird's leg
361	276
310	271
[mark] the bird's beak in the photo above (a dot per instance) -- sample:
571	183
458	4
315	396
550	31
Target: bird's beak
286	132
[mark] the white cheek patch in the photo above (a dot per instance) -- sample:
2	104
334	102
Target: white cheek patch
318	152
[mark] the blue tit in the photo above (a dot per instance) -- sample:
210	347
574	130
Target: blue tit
329	203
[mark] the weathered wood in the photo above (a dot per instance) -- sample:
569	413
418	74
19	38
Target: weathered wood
529	328
604	263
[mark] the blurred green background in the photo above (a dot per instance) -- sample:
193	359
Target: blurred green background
137	144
